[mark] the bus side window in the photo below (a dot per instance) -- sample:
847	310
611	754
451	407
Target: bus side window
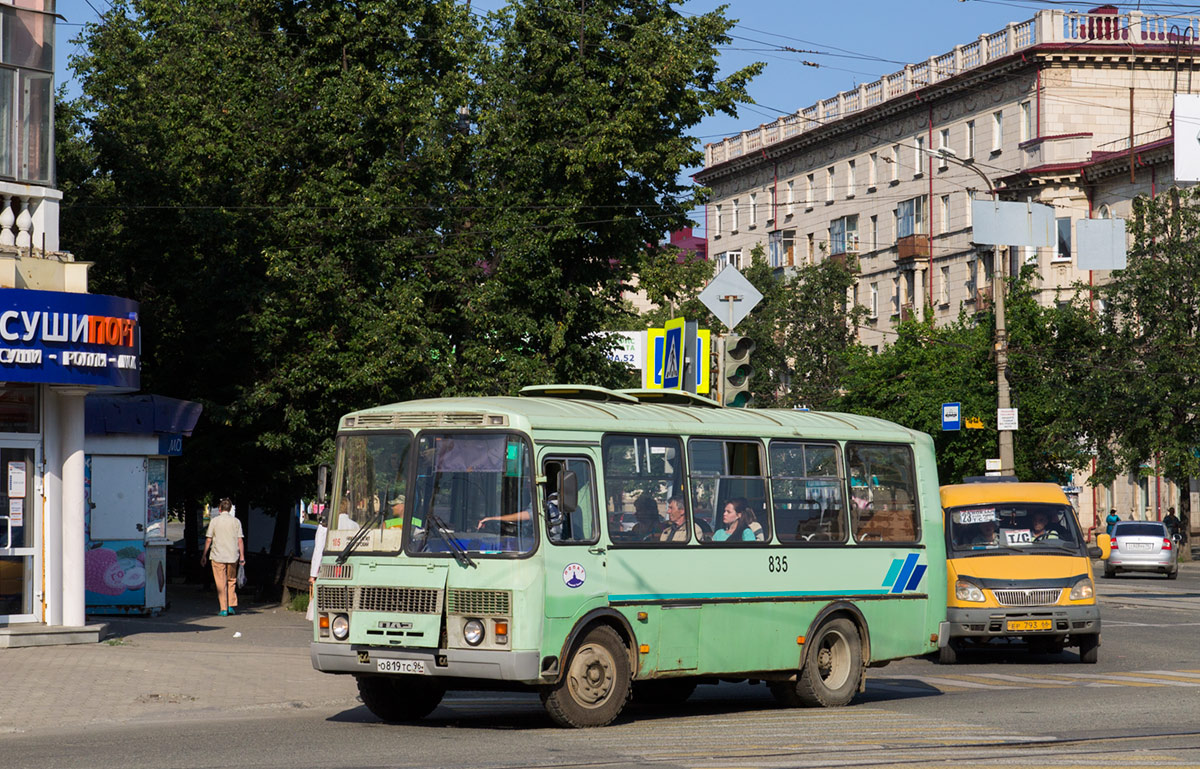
883	488
806	488
578	526
641	473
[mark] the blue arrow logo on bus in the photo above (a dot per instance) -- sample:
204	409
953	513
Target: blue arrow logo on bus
904	574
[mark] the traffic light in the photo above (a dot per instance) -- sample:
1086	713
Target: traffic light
736	371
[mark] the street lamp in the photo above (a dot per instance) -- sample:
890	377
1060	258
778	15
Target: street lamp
1003	399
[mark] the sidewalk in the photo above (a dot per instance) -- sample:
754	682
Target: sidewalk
186	662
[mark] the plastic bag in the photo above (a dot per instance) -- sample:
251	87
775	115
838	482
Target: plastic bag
241	577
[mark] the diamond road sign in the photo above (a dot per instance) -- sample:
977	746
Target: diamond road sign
730	297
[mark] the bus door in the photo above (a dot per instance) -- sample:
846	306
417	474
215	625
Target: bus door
576	579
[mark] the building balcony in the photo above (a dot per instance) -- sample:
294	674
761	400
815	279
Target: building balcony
1053	150
1046	28
912	247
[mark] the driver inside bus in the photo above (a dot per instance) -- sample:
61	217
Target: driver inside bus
1039	528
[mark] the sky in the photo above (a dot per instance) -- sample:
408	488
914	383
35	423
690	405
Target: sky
852	42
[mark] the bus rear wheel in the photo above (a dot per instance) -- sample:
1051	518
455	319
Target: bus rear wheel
832	669
395	700
595	686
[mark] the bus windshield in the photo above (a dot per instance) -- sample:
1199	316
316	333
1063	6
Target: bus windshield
1022	527
473	493
370	480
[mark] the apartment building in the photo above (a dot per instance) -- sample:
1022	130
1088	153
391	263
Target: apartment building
887	171
1068	109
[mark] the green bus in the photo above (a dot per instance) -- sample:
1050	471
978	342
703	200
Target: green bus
595	545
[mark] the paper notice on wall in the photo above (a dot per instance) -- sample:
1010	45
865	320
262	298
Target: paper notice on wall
16	479
16	512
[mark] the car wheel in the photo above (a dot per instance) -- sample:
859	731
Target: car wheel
1089	649
1109	571
1173	574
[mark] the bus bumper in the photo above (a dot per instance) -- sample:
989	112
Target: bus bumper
456	663
993	622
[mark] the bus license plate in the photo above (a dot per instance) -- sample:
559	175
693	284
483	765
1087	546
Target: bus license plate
1021	625
400	666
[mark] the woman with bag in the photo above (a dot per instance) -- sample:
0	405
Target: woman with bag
225	540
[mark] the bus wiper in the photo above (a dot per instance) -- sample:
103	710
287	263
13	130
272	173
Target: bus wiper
358	537
460	552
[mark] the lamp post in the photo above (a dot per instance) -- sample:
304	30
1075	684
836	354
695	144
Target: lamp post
1000	270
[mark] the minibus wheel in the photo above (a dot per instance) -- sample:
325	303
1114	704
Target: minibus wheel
398	699
1089	649
948	654
832	669
595	685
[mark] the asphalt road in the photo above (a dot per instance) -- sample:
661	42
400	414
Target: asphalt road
1140	706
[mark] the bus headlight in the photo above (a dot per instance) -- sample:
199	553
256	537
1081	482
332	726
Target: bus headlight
1083	590
473	632
967	591
340	627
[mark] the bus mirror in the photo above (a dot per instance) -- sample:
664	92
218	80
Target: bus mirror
322	480
568	491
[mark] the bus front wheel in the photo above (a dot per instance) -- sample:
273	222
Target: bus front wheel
832	669
396	700
596	683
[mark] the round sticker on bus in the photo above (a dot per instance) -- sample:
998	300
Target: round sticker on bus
574	575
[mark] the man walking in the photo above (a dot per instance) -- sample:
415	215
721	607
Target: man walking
228	547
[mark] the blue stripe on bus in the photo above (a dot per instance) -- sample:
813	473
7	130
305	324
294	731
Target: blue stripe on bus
916	578
892	572
779	594
905	571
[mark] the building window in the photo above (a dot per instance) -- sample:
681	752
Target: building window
753	210
997	130
896	295
782	244
895	162
1063	225
970	148
717	220
734	259
733	216
829	184
843	235
849	178
812	248
1027	132
944	213
919	155
873	172
944	286
943	143
873	307
808	191
910	217
791	197
874	233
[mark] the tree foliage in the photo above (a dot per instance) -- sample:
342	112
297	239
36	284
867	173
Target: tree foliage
325	206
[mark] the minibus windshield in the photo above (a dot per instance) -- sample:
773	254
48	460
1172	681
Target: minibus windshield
1018	527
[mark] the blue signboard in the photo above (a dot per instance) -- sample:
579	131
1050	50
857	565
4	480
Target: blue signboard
673	355
58	337
951	416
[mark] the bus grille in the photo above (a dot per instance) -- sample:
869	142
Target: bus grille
334	598
480	602
1037	597
408	600
336	571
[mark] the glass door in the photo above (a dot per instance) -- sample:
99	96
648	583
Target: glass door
18	508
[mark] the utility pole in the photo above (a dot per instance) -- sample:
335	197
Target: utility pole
999	288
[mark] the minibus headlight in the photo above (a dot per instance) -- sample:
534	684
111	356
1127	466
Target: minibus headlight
967	591
1083	590
340	627
473	632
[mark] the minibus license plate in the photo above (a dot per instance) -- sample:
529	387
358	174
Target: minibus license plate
400	666
1029	624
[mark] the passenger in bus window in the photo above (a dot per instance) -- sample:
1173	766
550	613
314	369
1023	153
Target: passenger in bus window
676	530
736	520
649	522
985	534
